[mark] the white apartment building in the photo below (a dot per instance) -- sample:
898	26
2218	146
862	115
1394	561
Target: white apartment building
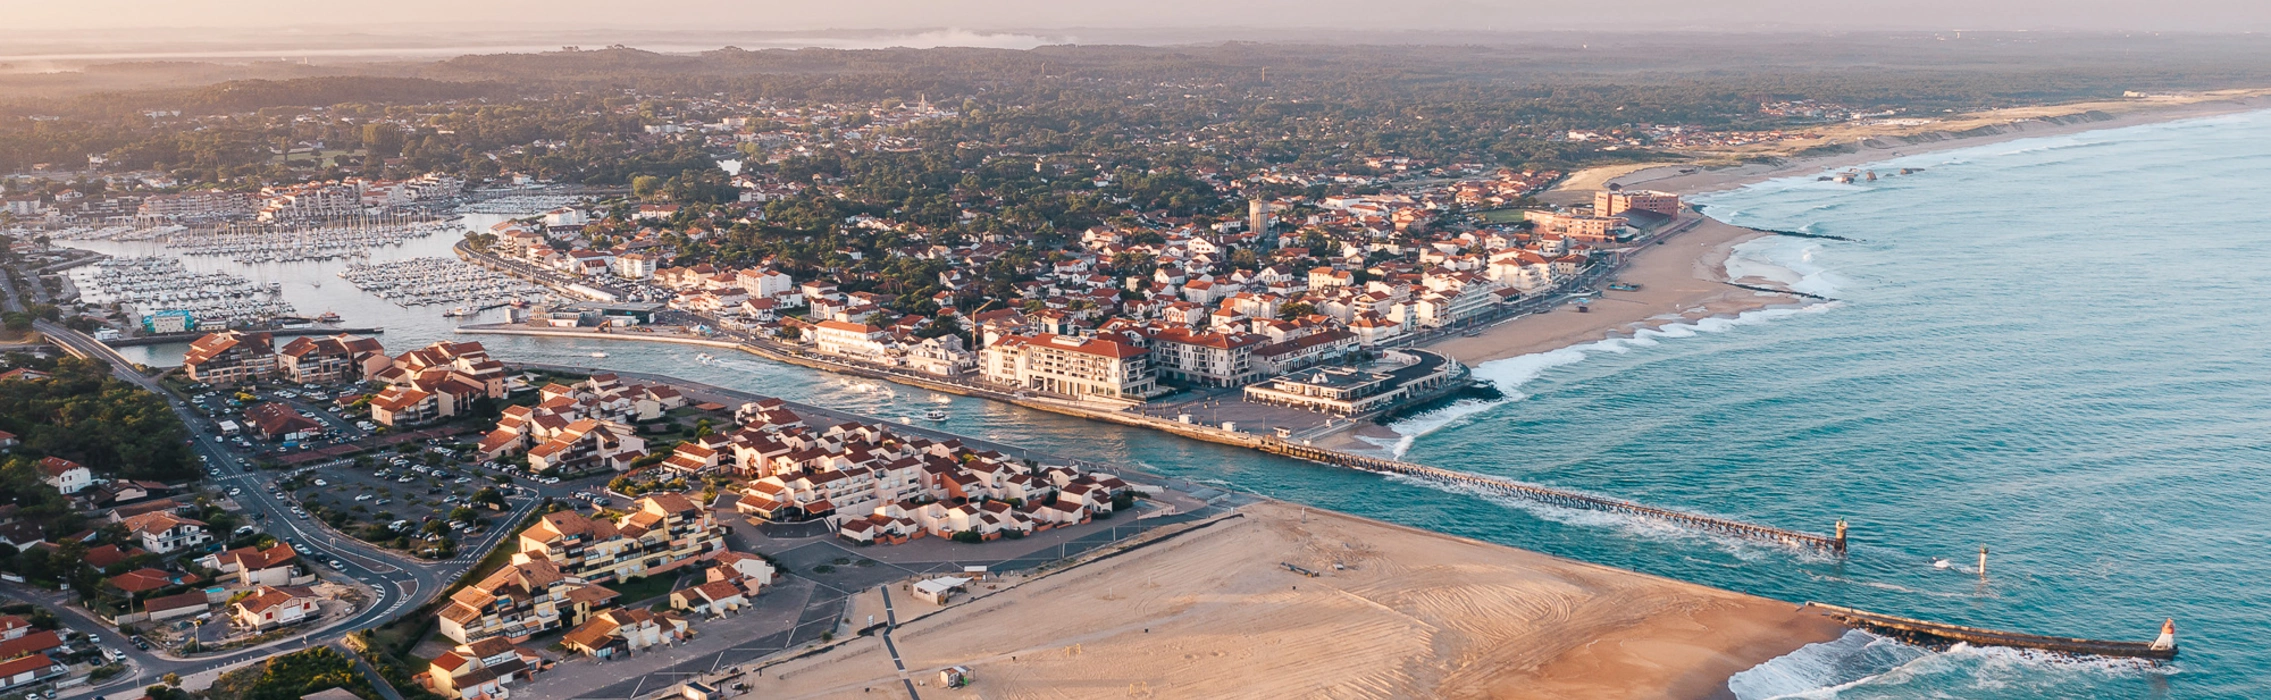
633	266
857	341
1073	366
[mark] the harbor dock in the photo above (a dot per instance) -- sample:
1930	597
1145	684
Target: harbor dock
163	338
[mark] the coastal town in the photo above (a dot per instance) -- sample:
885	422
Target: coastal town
608	374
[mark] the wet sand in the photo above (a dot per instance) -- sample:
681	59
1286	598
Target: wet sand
1213	614
1681	280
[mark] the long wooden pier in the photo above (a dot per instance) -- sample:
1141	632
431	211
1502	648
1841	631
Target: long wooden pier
1941	635
1834	544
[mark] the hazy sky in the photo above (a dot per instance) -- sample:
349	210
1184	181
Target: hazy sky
1262	15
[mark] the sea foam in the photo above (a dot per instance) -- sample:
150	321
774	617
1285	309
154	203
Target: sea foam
1510	374
1821	669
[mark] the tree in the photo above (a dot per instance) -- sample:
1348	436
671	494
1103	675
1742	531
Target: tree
292	676
645	186
1295	310
382	140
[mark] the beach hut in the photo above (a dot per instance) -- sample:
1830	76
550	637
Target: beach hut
940	590
955	677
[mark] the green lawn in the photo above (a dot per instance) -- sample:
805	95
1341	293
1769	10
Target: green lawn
1499	216
640	589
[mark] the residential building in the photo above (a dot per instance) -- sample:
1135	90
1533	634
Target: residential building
270	607
717	597
65	475
251	566
330	360
397	407
161	532
633	266
208	205
278	421
228	357
481	670
1613	203
619	632
857	341
28	670
524	599
663	532
1208	358
1073	366
587	445
1580	227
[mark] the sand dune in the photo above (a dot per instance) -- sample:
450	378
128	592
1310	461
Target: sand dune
1406	613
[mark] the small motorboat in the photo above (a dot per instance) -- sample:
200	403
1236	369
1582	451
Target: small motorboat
934	414
328	317
599	355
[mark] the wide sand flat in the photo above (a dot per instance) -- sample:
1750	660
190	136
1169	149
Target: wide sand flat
1212	614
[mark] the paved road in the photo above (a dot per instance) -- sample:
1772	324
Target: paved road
399	583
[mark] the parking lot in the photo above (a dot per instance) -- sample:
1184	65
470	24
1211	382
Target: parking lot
226	406
420	502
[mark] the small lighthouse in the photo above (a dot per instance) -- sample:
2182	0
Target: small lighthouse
2168	636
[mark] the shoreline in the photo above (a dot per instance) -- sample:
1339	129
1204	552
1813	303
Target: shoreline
1397	610
1685	280
1664	637
1675	288
2056	120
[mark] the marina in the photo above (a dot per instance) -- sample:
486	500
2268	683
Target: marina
443	281
352	237
146	285
520	202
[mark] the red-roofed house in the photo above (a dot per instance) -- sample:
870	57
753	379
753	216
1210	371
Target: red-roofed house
162	532
28	670
65	475
277	606
37	642
252	566
279	421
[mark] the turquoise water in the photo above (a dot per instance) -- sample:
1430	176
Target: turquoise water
2054	348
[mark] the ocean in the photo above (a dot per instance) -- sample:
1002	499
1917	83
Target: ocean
2053	348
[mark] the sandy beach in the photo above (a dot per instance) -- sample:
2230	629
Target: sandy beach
1213	614
1681	280
1685	278
1875	142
